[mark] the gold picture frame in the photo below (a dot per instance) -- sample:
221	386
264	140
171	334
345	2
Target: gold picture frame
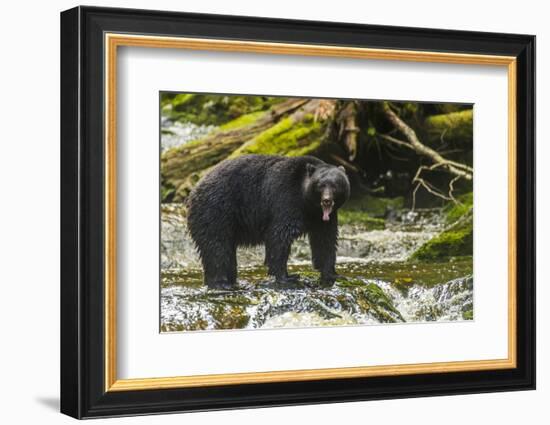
114	41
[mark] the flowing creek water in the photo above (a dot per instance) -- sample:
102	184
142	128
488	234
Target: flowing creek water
176	133
380	285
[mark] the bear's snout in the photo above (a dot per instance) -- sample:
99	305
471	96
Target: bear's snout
327	203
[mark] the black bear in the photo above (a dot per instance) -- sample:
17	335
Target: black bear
271	200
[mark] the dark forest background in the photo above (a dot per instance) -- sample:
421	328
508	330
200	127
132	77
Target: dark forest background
398	155
389	149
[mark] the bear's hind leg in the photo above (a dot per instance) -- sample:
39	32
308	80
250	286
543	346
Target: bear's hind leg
220	265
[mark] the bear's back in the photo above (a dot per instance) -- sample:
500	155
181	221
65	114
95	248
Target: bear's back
242	195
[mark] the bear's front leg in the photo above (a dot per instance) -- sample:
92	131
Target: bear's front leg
323	241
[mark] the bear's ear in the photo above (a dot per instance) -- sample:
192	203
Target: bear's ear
341	168
310	169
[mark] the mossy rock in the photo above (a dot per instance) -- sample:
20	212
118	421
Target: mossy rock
468	315
455	241
381	305
453	211
370	297
230	316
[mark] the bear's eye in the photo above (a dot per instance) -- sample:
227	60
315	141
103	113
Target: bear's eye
321	186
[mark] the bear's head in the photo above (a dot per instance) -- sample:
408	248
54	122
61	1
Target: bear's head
326	188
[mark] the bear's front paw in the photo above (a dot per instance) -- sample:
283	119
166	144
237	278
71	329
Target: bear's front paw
328	280
289	282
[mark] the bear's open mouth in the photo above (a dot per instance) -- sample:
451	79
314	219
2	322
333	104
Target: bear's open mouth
327	209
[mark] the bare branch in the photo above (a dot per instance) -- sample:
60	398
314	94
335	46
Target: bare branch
453	167
395	141
451	189
344	163
420	182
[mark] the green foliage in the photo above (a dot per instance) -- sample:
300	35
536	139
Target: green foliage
287	137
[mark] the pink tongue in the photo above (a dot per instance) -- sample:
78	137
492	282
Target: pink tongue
326	214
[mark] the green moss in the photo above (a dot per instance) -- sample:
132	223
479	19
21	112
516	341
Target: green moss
457	126
166	193
368	211
179	100
455	241
468	315
284	138
242	121
230	316
370	297
376	207
380	305
411	107
445	108
362	218
212	109
454	211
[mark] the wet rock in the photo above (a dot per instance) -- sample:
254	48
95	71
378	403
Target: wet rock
457	240
352	301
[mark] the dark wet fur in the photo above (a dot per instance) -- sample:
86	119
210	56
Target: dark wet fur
270	200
